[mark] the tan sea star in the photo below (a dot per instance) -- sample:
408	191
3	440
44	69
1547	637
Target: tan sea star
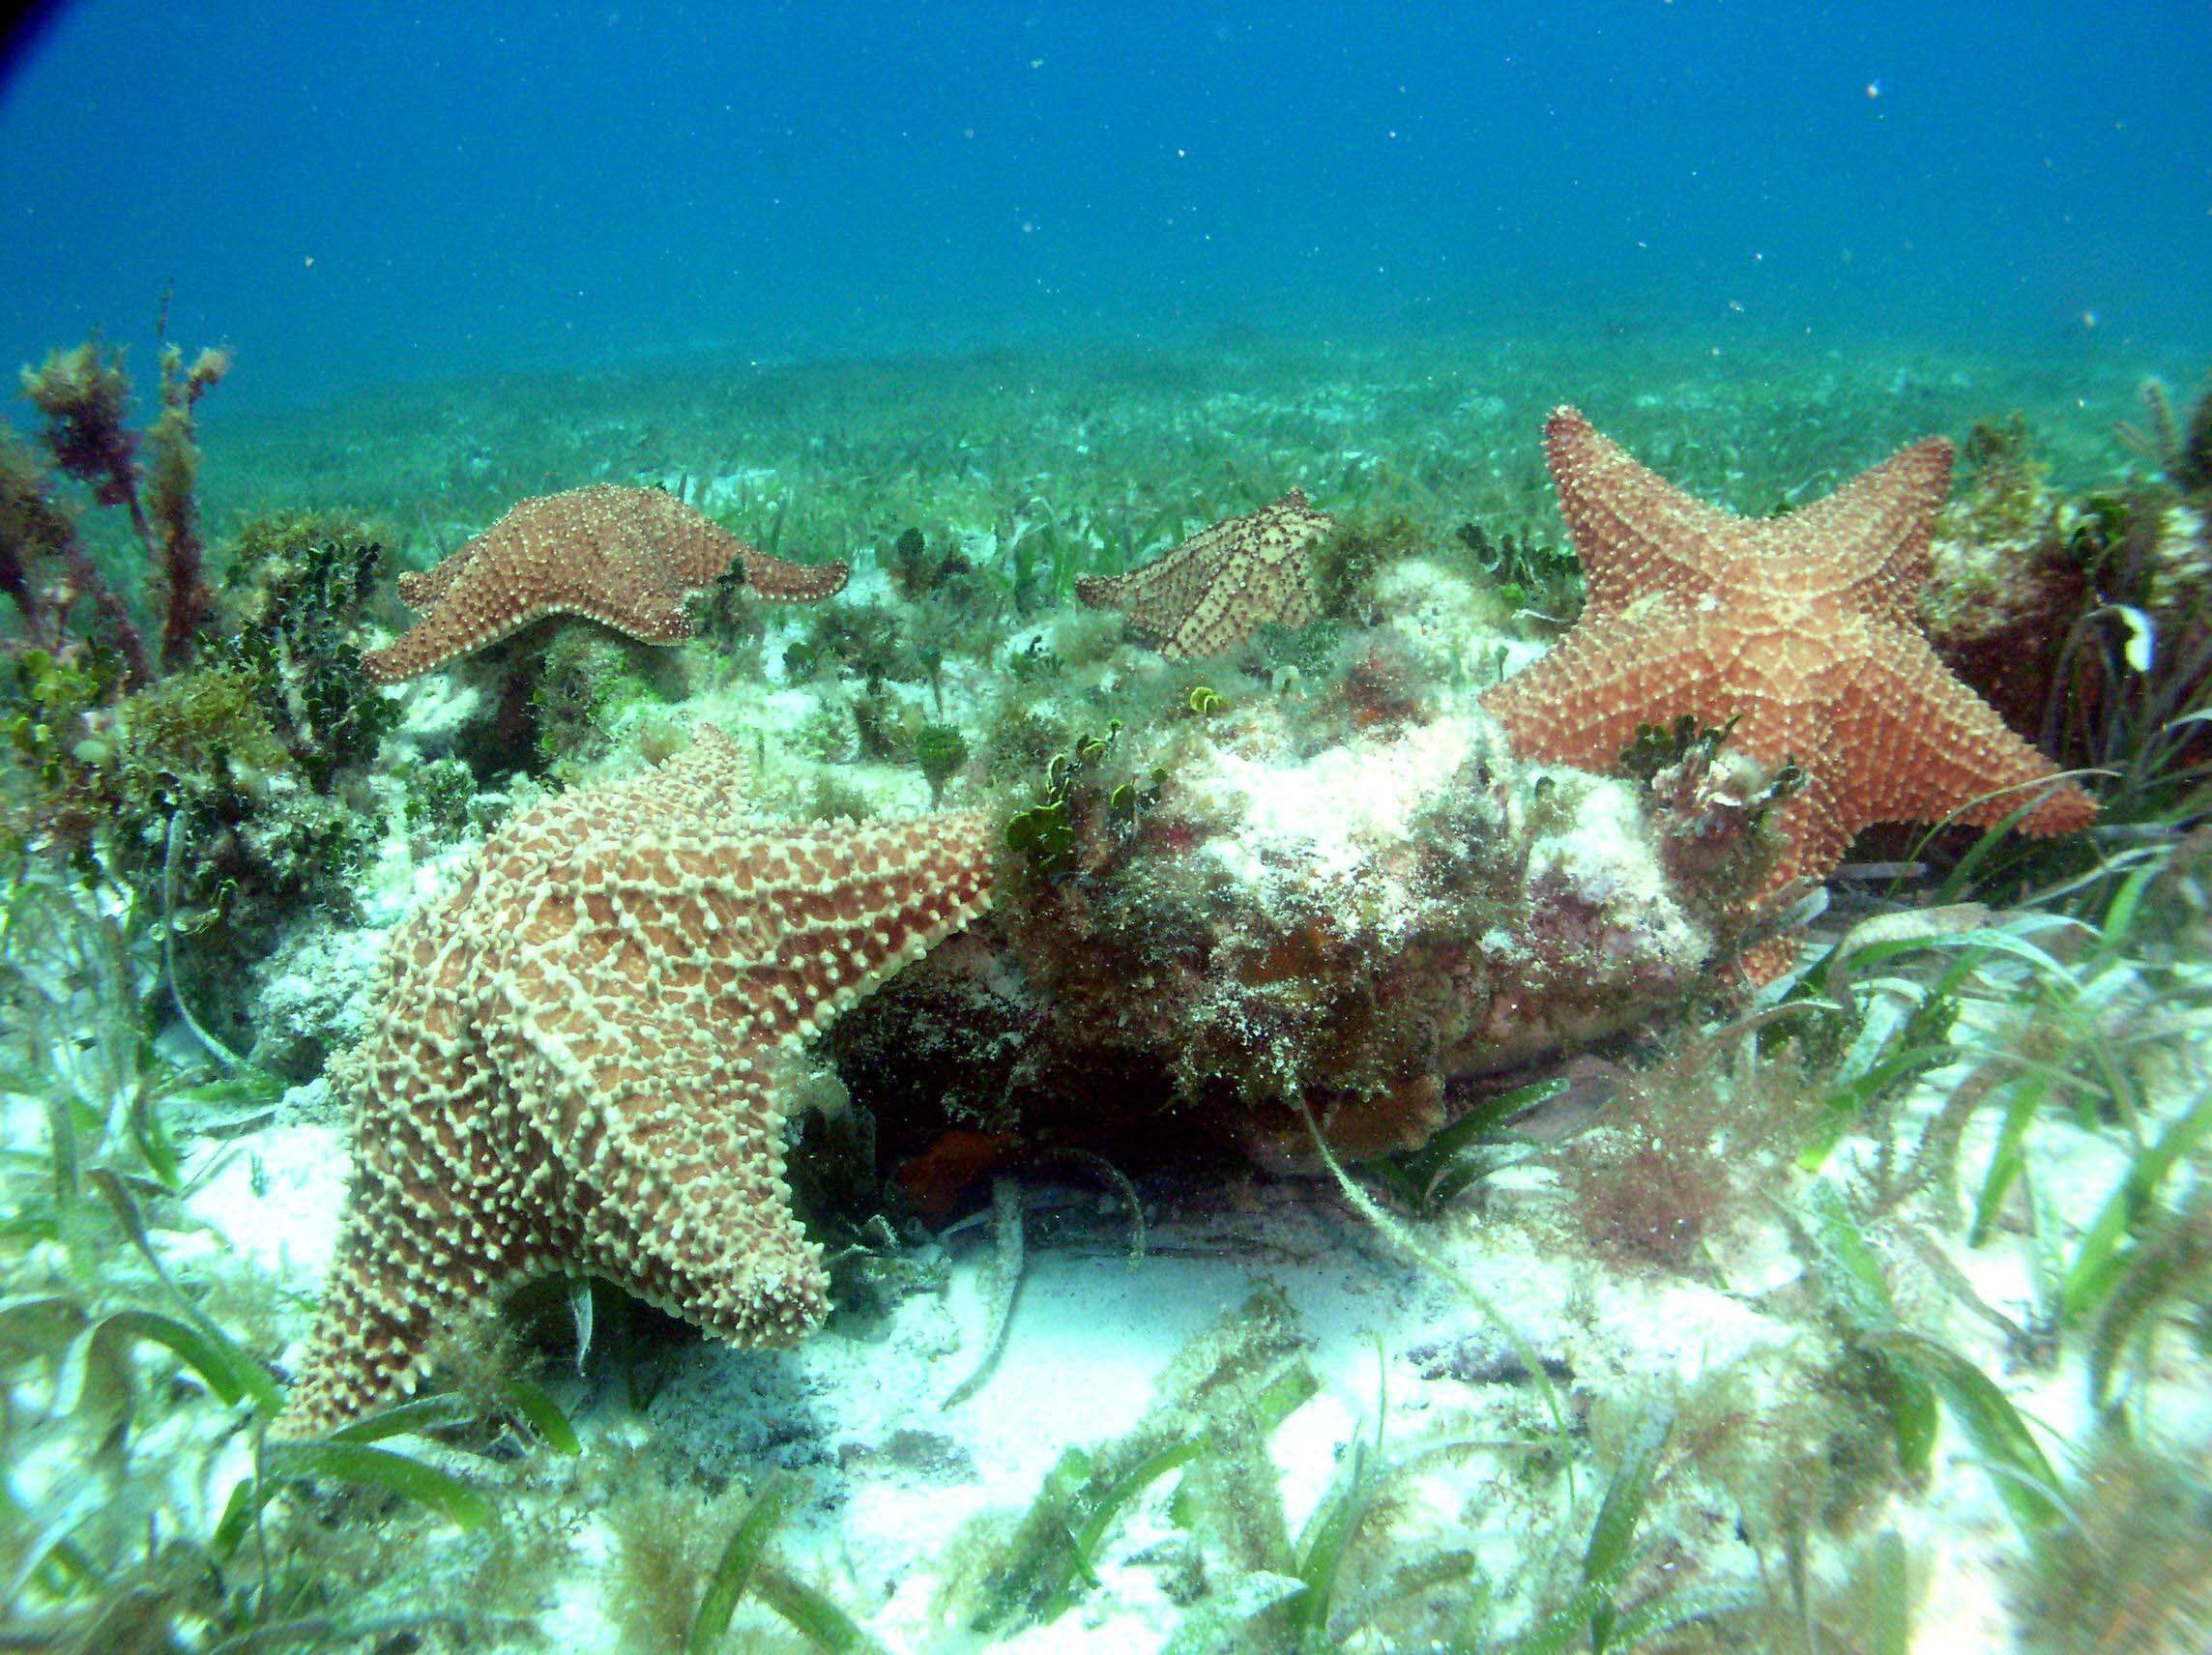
626	557
1798	626
571	1063
1213	592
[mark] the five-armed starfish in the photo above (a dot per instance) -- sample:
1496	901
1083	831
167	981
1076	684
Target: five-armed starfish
628	558
572	1064
1220	586
1800	628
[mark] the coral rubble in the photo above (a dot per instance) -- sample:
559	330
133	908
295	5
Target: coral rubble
1206	928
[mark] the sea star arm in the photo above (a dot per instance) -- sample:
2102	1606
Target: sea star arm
471	613
651	1050
668	1145
399	1280
1582	703
1635	532
1159	596
711	781
1915	745
676	1196
421	1248
628	558
785	582
1877	525
1814	833
1224	616
1209	594
571	1063
421	589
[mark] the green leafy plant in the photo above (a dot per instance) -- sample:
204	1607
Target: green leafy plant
1917	1371
743	1568
42	703
939	751
1477	1144
1658	747
1044	833
2164	1277
114	1509
1531	574
1227	1391
1591	1615
299	582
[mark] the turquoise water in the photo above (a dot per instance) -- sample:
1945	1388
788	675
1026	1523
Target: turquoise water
354	194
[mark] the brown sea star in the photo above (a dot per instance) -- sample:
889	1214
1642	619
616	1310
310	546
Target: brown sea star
1800	628
626	557
571	1063
1213	592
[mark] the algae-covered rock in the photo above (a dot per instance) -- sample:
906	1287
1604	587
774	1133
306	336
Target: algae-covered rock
1199	929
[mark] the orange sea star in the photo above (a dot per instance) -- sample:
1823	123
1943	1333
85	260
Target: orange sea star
1800	628
1213	592
628	558
571	1063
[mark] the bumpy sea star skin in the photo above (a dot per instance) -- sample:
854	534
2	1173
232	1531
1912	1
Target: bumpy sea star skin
571	1063
1800	628
626	557
1217	587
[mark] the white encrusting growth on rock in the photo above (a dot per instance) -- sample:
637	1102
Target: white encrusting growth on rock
1331	816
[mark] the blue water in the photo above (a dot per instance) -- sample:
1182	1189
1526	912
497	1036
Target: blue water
352	193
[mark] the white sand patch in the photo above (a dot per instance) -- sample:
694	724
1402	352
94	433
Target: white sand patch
871	582
895	1475
274	1199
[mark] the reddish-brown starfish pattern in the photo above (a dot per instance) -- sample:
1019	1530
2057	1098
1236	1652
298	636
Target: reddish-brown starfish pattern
628	558
1217	587
572	1064
1800	628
